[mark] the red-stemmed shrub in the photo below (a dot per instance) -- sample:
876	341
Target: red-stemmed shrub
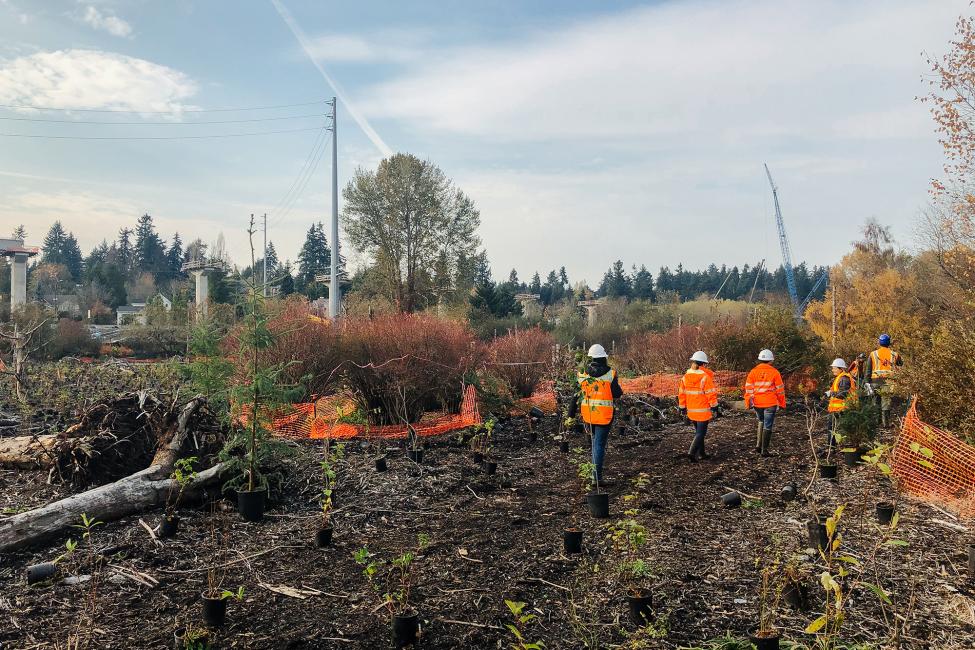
398	366
522	358
307	344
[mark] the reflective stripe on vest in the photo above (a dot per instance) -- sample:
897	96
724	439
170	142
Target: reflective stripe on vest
882	363
837	404
597	404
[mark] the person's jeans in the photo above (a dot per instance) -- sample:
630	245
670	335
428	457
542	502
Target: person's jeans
766	415
600	433
700	431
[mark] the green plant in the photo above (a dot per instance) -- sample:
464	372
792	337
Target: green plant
857	424
235	595
770	593
183	474
517	626
585	470
209	371
483	434
196	639
331	457
396	582
628	537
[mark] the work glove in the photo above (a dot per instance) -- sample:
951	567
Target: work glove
715	413
683	412
868	389
827	394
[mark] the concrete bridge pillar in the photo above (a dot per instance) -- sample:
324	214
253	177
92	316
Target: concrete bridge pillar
202	291
18	280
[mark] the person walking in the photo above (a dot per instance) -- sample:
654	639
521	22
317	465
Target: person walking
881	364
843	388
599	388
697	399
857	369
764	392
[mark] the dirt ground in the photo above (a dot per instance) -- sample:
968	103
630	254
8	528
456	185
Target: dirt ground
500	537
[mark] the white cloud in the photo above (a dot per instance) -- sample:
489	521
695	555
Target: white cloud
106	21
93	79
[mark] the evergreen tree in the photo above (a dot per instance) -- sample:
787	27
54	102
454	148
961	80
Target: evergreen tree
536	284
123	251
272	260
315	257
149	253
287	285
513	278
20	232
53	246
174	257
615	283
642	284
564	278
71	254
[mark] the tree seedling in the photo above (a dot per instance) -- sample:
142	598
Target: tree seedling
517	627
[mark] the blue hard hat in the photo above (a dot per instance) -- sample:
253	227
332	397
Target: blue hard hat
884	339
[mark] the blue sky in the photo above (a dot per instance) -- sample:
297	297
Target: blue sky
585	131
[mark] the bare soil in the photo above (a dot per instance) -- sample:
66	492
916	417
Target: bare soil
496	538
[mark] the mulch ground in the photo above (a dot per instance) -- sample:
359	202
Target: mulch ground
500	537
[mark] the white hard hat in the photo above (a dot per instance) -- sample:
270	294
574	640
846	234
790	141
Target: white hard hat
700	356
597	352
838	363
766	355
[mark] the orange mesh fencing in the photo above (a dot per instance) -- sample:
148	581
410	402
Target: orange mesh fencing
934	465
665	385
322	419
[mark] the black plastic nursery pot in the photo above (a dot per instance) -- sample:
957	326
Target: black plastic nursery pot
406	629
532	436
765	642
40	572
381	465
416	455
818	537
598	504
214	611
851	458
168	526
251	504
827	472
885	512
323	537
490	467
536	413
788	492
731	499
640	605
572	540
180	642
478	457
794	595
564	446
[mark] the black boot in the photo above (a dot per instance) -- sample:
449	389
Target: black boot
766	442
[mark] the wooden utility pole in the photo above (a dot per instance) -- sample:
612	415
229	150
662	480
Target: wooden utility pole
834	319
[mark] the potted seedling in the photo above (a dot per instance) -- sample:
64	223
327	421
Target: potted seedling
565	426
597	500
517	626
856	429
331	457
794	577
192	638
44	570
393	579
628	537
215	604
766	636
878	458
183	474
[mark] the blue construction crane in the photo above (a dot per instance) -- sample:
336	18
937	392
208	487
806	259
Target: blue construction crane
790	276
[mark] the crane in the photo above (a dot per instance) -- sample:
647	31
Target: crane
790	277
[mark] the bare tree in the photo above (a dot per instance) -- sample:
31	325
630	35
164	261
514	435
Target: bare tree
21	348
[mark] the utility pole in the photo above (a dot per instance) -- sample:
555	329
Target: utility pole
834	318
264	263
334	292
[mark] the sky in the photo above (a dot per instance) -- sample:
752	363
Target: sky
585	132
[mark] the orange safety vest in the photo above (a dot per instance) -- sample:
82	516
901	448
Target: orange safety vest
764	387
837	404
697	394
882	362
597	397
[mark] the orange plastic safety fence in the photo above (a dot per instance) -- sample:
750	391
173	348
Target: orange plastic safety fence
665	385
321	419
934	465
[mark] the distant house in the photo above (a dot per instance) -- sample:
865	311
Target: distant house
135	312
63	303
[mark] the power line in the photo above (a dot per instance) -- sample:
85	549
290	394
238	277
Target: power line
186	110
309	172
161	137
300	175
254	119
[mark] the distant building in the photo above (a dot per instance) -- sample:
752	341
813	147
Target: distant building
135	313
63	304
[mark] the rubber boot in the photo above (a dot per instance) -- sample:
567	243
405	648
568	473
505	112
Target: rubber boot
885	418
692	452
701	454
766	442
760	436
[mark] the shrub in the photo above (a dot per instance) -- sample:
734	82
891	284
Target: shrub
796	347
662	351
398	366
71	339
306	344
522	359
149	341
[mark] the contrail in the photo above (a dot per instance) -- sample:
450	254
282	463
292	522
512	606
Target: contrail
353	111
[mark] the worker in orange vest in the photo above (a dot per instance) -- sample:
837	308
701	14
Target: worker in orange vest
857	369
599	387
842	389
882	363
764	392
697	399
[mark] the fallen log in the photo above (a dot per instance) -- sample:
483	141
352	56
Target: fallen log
144	489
